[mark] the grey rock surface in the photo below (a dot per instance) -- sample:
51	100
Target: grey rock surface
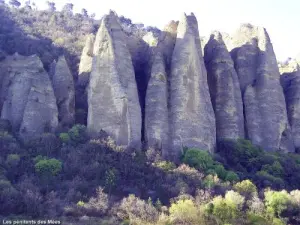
64	90
192	119
264	103
112	92
156	109
27	96
291	85
224	89
86	60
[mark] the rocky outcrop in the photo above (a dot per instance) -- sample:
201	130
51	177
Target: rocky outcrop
224	89
192	120
85	66
64	90
264	104
290	81
112	92
156	115
27	96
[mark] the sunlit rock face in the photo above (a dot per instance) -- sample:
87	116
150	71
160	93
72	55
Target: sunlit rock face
113	103
266	119
192	119
27	96
224	89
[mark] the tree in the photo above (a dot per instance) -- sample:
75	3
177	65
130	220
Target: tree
224	210
276	202
51	6
246	187
184	212
48	167
84	12
15	3
68	8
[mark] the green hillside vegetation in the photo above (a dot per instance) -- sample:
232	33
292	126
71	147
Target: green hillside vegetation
67	175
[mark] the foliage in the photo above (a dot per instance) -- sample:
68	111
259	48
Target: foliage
184	212
199	159
225	211
276	202
246	187
48	167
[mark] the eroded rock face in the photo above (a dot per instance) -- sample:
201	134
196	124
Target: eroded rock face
156	110
64	90
192	120
85	66
112	92
291	86
224	89
27	96
264	104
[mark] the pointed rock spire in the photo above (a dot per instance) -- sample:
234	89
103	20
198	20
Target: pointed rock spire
264	104
192	119
156	115
112	92
64	90
224	89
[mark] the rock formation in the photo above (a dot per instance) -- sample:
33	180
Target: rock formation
156	109
192	120
264	104
27	96
85	66
224	89
290	81
112	92
64	90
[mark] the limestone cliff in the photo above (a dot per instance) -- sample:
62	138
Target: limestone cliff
64	90
290	81
112	92
156	109
192	120
224	89
264	104
27	96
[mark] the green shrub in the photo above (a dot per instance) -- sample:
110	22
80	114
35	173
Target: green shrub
184	212
199	159
246	187
48	167
78	134
225	211
232	177
221	172
65	138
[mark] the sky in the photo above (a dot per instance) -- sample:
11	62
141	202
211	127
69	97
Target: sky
281	18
